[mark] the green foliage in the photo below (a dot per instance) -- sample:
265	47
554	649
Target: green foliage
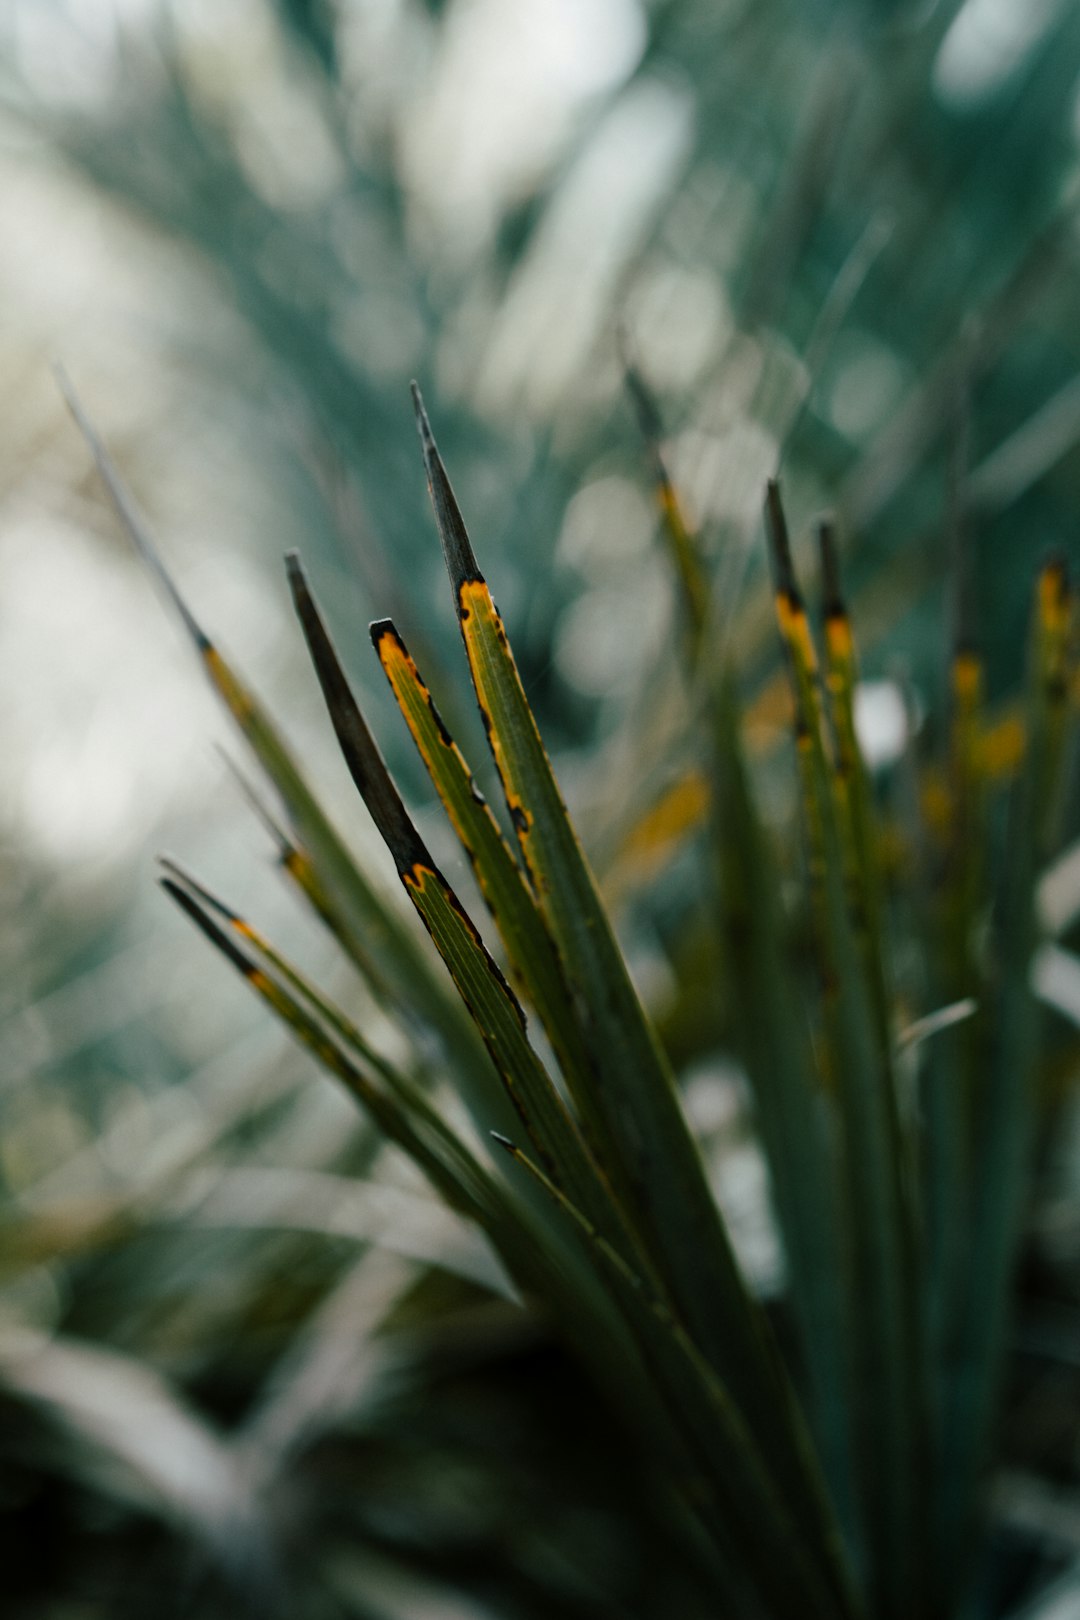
238	1283
841	1472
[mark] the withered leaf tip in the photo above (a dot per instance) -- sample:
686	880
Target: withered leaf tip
208	926
177	873
779	544
378	628
366	764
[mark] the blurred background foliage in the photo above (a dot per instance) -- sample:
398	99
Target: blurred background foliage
840	233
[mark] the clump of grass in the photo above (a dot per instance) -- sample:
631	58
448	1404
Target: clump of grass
839	1470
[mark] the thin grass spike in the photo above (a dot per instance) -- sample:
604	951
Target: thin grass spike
258	804
217	936
126	511
461	561
406	1120
832	593
884	1308
780	545
693	585
366	764
493	1005
373	934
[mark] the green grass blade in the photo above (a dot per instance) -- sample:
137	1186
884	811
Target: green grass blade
297	864
790	1106
534	1254
406	1089
691	576
886	1314
479	981
853	784
454	1172
632	1113
534	1251
749	1513
530	950
1007	1103
379	940
951	1107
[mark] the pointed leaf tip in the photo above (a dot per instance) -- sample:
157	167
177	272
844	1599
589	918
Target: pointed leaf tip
423	425
208	926
366	764
124	507
830	568
779	543
461	562
175	872
256	802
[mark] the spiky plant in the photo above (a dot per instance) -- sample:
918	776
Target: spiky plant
831	1460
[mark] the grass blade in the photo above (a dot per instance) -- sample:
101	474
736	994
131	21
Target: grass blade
529	946
1007	1111
534	1251
752	1520
693	583
952	1075
453	1171
378	939
853	783
489	999
632	1113
790	1107
885	1313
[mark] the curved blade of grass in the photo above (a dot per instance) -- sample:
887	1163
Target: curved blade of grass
402	1085
632	1112
444	1159
885	1312
535	1255
483	989
1007	1104
379	941
749	1513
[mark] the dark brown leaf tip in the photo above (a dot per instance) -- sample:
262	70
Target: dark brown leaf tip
366	764
380	629
832	593
461	562
780	545
124	506
208	926
181	876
